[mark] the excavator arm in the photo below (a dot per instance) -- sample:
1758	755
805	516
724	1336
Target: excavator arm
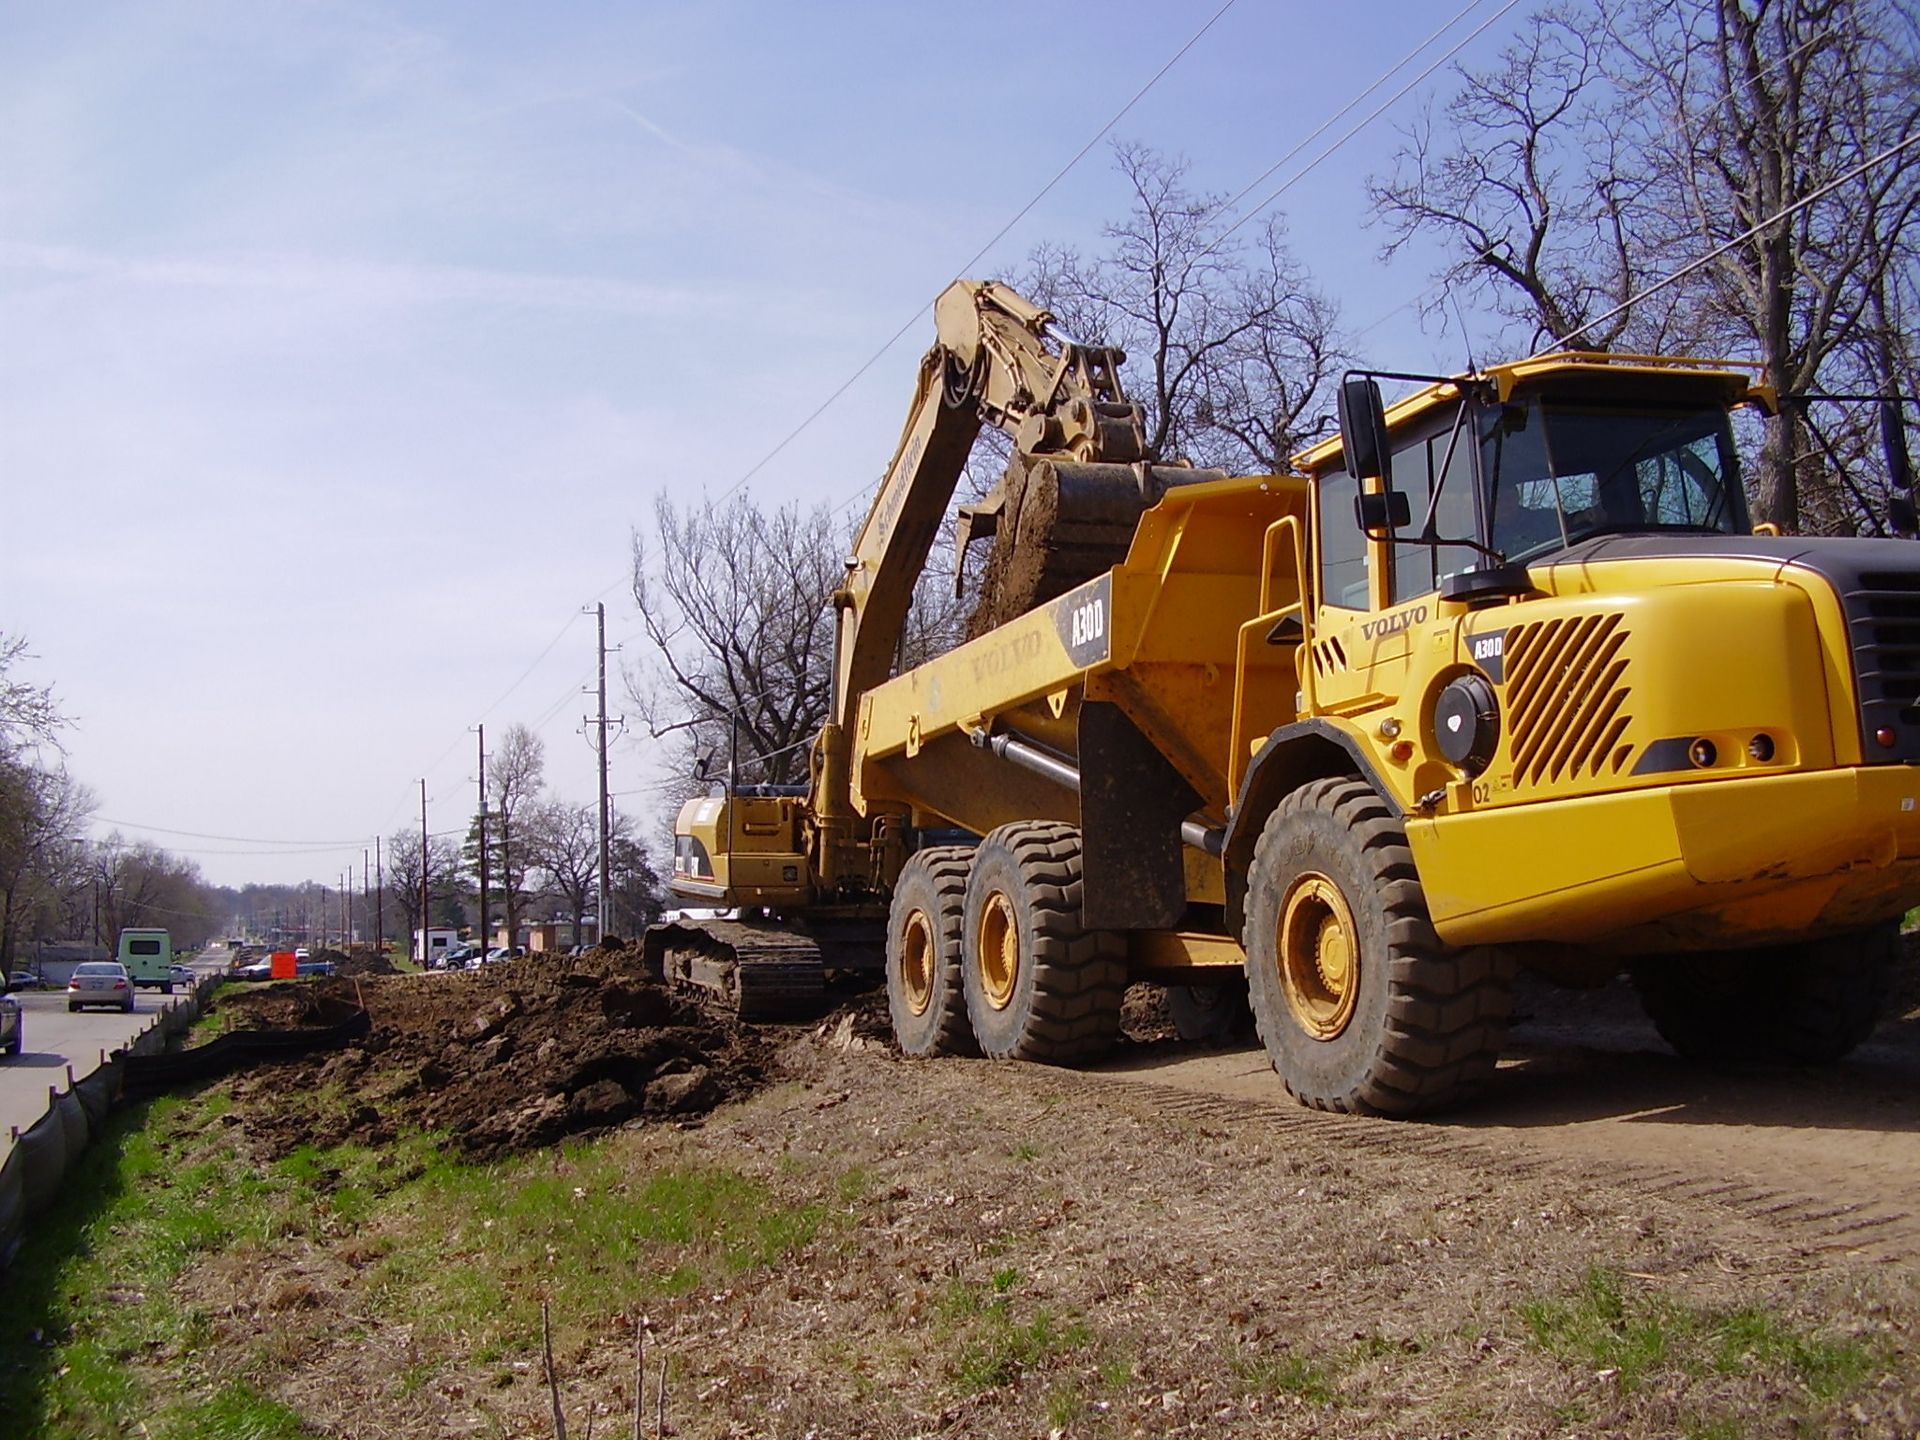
990	364
1078	469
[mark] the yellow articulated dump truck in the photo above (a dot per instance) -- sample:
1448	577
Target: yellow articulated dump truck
1501	676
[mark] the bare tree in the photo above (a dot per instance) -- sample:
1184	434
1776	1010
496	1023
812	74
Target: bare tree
736	603
41	812
516	774
139	884
1776	128
403	874
29	715
1526	183
566	841
1229	346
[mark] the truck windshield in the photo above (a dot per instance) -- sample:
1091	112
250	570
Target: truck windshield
1557	474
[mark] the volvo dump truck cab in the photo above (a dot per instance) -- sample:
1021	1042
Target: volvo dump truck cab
1500	676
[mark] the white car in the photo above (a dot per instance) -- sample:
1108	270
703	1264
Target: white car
100	982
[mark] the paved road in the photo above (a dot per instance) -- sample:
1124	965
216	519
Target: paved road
56	1039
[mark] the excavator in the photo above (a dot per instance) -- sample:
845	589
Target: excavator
806	876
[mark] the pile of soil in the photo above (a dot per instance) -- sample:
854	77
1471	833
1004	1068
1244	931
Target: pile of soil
359	960
504	1059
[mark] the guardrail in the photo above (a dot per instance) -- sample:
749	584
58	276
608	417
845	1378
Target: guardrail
46	1150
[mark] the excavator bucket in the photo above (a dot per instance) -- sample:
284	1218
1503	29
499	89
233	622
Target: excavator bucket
1057	524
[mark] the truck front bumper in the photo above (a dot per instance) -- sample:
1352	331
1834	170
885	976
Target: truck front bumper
1706	865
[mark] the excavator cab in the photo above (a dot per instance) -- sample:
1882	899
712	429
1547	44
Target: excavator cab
743	847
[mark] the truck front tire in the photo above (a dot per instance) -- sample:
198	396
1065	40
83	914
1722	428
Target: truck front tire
1361	1007
1039	984
926	997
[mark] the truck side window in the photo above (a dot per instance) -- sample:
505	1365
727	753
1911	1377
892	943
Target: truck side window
1343	549
1418	569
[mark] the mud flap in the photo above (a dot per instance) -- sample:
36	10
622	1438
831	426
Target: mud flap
1132	801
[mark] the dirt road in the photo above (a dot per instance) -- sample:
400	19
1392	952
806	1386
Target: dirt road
1833	1155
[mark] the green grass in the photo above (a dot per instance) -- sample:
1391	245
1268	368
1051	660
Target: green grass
94	1340
91	1290
236	1412
1638	1337
991	1346
1285	1373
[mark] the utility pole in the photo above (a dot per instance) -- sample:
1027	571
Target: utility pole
426	893
603	912
486	939
379	900
366	879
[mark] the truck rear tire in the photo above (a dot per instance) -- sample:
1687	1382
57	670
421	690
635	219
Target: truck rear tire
926	996
1039	985
1361	1007
1810	1003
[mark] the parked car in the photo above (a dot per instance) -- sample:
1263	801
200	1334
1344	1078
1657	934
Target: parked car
455	959
12	1023
100	982
26	980
185	975
302	953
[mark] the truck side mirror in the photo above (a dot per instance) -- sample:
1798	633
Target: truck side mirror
1387	511
1363	430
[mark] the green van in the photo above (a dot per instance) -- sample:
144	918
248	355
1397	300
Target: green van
148	956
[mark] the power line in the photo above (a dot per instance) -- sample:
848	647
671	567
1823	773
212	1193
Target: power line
1362	124
1382	79
1714	254
997	237
232	839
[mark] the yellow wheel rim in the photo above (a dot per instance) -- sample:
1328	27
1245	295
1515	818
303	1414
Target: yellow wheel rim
916	963
1319	956
999	951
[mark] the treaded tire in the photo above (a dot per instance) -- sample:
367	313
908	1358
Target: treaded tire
1211	1014
1059	987
923	930
1423	1024
1810	1003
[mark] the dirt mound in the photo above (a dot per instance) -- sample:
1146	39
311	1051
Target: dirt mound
360	960
503	1059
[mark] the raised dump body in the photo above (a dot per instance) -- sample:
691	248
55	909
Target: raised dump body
1112	707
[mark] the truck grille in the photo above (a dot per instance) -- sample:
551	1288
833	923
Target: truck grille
1566	698
1883	618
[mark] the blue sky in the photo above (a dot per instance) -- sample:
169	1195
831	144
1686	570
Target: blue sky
342	345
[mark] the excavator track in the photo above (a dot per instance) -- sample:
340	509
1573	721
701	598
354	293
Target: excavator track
762	973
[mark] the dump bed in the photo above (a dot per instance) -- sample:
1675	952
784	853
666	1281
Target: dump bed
1129	679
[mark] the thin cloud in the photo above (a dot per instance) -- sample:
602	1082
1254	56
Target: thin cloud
380	282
